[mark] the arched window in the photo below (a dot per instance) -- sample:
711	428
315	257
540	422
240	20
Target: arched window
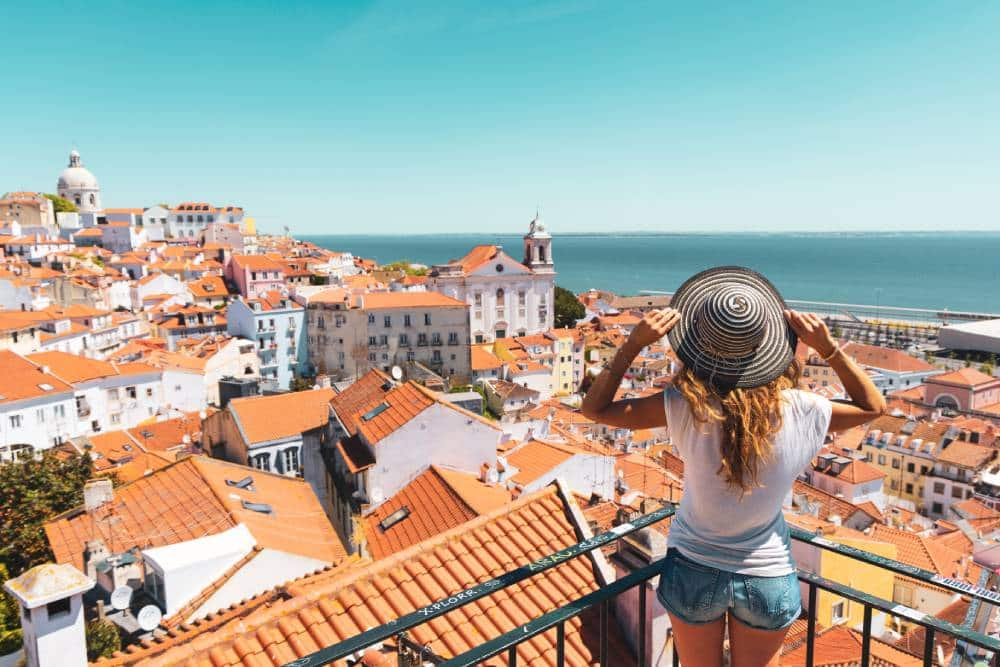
93	199
500	294
76	198
248	370
541	253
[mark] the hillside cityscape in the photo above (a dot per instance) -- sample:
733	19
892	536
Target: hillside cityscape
222	447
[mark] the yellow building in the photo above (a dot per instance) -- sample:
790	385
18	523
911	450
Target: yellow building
905	451
833	609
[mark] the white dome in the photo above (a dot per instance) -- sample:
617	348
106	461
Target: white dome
76	176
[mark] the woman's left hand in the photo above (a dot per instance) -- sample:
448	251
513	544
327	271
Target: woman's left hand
654	326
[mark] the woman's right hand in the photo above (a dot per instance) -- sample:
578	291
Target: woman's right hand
812	331
654	326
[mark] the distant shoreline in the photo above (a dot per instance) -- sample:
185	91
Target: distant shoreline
640	234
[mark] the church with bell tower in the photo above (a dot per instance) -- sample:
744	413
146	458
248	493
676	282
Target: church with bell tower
506	297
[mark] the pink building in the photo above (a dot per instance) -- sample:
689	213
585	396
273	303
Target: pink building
255	275
965	389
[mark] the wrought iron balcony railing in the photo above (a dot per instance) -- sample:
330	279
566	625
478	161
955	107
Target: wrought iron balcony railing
506	644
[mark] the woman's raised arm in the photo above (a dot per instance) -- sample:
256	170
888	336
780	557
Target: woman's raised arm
599	403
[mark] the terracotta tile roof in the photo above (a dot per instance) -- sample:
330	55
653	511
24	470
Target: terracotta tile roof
266	418
404	403
483	498
965	377
321	610
870	508
828	504
479	255
484	360
21	379
257	263
966	454
974	509
364	394
75	369
855	472
190	499
432	507
169	433
115	452
209	286
888	359
841	647
536	458
923	552
648	477
913	641
381	300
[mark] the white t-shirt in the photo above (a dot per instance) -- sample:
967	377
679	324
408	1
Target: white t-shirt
714	525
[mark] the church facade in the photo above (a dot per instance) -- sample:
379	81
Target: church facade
506	297
79	186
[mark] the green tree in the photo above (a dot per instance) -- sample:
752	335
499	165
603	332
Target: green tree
32	492
10	619
301	384
61	205
568	309
406	267
102	639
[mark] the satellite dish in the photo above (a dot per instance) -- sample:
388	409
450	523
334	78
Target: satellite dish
397	373
149	617
121	597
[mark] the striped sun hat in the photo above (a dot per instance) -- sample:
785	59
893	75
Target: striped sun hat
732	332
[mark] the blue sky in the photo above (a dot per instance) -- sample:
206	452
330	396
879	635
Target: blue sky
402	117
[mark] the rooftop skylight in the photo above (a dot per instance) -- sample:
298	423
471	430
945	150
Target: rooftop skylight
394	518
375	412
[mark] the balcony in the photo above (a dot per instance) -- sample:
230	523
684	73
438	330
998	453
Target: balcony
503	649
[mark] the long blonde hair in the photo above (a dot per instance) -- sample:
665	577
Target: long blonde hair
749	418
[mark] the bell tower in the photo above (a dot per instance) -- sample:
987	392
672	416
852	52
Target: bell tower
538	247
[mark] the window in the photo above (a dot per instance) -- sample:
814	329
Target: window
479	338
910	467
894	485
371	341
387	321
838	611
895	463
40	415
909	489
939	488
422	339
371	318
383	340
522	298
372	357
406	320
116	418
435	338
261	461
427	319
937	508
149	392
290	459
15	421
58	608
500	295
437	355
404	340
924	470
132	392
881	459
452	338
956	492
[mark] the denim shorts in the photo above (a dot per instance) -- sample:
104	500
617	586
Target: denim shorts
702	594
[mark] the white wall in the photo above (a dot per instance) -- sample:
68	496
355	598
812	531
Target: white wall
583	473
184	390
439	435
56	422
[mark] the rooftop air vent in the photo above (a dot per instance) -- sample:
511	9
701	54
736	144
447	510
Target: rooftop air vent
240	483
394	518
375	412
45	386
263	508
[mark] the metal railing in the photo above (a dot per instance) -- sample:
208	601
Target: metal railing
506	644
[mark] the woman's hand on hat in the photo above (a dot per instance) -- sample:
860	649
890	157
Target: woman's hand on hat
812	330
654	326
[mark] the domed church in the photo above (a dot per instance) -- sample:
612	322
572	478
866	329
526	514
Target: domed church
79	186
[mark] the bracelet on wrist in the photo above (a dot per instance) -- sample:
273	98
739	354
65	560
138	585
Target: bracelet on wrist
827	358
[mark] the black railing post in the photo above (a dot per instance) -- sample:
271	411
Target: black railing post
561	644
642	625
811	627
866	637
604	632
928	647
512	657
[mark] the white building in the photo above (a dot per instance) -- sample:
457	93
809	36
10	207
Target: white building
107	396
119	237
79	186
188	219
37	410
505	297
191	376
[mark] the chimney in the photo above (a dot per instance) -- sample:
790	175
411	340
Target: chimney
96	493
95	552
51	601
